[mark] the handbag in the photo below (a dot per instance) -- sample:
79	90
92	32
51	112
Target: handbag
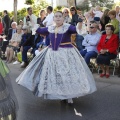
19	56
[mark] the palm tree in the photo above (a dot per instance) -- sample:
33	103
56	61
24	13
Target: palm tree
15	10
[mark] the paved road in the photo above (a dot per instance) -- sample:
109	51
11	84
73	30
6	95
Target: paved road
104	104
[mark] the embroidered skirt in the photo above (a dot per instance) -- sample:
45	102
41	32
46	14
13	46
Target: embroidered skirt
60	74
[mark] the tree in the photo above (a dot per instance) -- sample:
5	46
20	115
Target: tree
29	2
15	10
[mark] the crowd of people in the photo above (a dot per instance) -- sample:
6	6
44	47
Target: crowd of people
62	44
23	38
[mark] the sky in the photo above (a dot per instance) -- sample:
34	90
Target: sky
8	5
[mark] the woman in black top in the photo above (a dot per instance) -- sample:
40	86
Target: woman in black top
41	18
74	16
104	20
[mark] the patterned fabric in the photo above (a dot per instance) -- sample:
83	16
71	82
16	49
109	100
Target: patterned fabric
60	74
4	70
65	27
7	104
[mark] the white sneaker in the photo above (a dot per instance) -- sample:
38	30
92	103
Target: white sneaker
70	101
16	62
22	63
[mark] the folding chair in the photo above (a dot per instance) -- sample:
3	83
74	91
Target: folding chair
113	63
93	64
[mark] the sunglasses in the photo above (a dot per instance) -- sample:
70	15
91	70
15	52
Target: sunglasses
72	10
65	12
92	27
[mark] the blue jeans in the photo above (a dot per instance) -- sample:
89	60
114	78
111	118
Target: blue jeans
24	53
88	55
79	39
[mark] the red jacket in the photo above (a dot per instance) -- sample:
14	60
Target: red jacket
1	28
112	44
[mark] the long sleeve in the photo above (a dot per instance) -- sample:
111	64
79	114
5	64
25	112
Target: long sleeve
111	44
95	42
43	31
7	22
116	27
49	20
72	29
34	20
85	43
115	45
115	23
24	21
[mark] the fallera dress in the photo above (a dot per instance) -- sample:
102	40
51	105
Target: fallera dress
7	103
58	71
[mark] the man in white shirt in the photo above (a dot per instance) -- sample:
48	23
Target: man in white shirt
30	20
49	19
90	42
118	13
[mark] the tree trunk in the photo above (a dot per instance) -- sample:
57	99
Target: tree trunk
15	10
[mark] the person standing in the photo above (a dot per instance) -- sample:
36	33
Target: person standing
6	22
114	21
41	18
118	13
49	19
30	20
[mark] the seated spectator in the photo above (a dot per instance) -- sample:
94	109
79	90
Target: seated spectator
107	48
34	41
24	49
14	44
114	21
41	45
12	30
90	42
66	15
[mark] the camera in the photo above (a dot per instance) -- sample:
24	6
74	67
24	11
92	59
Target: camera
27	18
80	20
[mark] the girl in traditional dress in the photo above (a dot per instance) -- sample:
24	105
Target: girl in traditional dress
58	71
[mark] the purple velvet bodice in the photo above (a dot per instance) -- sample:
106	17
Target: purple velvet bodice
63	37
